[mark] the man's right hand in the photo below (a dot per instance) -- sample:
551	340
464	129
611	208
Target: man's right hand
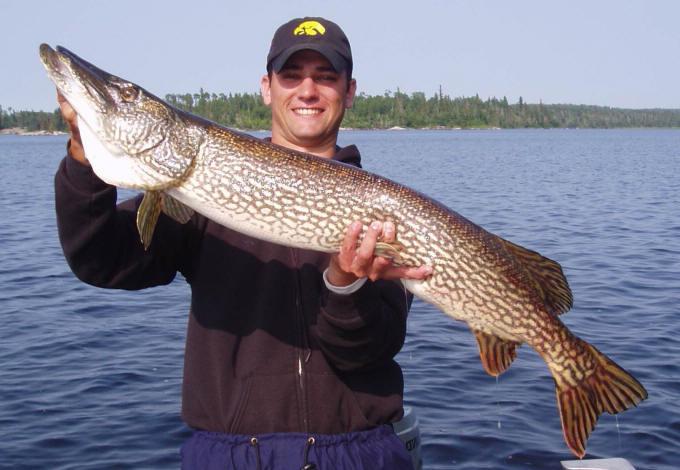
75	147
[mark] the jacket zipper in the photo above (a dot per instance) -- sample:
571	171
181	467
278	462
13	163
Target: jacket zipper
302	335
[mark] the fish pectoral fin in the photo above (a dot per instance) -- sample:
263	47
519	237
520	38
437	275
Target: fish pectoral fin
175	209
150	209
545	275
147	216
608	387
495	353
390	251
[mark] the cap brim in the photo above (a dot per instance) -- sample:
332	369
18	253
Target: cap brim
338	62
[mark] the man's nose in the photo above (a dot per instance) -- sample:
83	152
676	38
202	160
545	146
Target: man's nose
308	89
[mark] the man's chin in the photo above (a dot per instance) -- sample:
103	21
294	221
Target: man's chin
309	142
310	135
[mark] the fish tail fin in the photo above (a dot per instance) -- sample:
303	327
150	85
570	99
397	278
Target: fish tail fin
608	388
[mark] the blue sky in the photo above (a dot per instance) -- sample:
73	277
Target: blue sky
613	53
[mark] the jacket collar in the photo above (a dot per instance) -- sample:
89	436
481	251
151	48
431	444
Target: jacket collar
349	155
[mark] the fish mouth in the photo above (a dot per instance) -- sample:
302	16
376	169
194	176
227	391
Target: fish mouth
75	77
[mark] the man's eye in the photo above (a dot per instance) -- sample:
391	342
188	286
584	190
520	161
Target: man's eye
290	76
328	78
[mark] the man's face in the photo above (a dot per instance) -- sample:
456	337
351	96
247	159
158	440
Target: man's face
308	101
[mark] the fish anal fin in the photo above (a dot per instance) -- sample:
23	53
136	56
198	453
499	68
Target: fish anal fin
608	388
545	275
175	209
147	216
495	353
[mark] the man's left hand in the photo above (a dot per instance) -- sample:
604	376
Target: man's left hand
356	260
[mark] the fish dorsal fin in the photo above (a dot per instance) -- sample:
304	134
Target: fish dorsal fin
495	353
147	216
175	209
546	276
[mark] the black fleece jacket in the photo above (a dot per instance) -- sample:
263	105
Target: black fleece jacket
269	348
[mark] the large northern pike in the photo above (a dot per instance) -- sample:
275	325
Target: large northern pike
508	295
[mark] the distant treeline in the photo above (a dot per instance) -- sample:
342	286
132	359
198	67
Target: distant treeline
392	109
32	120
395	109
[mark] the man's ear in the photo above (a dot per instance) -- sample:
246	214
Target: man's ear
266	90
351	91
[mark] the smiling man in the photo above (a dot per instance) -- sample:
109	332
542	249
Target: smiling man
308	98
289	360
309	85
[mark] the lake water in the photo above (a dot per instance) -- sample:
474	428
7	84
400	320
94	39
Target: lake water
91	378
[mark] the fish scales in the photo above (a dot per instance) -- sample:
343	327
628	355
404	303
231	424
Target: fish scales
266	186
474	290
507	294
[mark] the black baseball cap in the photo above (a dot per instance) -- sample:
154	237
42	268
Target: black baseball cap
317	34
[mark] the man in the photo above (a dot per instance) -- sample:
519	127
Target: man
289	353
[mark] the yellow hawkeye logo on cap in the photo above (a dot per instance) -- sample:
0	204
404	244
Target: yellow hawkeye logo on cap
309	28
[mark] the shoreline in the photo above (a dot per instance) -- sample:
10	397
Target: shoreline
19	131
22	131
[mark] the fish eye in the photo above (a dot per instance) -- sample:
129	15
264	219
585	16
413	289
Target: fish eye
128	93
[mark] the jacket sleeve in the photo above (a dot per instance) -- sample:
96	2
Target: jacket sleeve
100	239
365	329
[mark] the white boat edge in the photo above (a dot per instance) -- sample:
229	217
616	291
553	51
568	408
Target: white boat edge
597	464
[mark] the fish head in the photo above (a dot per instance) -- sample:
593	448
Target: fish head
131	138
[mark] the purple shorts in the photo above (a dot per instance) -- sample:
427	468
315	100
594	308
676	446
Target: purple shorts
378	448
